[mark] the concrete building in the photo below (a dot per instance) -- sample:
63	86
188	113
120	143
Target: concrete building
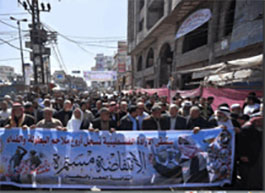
7	74
103	63
66	82
171	37
122	64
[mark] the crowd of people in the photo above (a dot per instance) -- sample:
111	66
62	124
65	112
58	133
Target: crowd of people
140	111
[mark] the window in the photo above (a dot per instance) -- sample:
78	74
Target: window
141	5
150	58
196	38
155	12
139	64
229	19
141	25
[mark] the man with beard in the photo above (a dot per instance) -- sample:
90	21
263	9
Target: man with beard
18	118
222	117
65	114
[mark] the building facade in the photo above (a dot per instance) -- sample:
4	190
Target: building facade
7	74
122	65
169	38
103	63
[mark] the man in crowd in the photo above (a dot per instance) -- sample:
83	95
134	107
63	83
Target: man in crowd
185	108
129	121
29	108
96	110
209	103
123	109
49	121
251	105
174	121
65	114
18	118
150	103
5	112
103	122
88	115
154	122
222	118
113	111
250	146
195	121
7	98
141	113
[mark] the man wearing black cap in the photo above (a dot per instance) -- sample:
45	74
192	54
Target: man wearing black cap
154	122
29	108
129	122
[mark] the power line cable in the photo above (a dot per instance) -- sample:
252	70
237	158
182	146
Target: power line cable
10	59
73	41
7	14
13	45
10	40
60	56
96	38
57	57
12	26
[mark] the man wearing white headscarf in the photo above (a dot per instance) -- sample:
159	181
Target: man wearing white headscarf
222	117
77	121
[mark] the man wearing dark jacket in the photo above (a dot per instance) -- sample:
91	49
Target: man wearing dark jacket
154	122
18	118
129	122
195	120
104	122
65	114
174	121
250	153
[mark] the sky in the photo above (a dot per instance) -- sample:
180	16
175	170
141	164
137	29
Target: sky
100	22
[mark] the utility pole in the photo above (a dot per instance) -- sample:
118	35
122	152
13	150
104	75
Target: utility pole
20	43
38	38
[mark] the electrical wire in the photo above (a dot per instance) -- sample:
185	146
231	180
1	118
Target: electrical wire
13	45
7	14
10	59
10	40
78	43
57	58
60	56
12	26
97	38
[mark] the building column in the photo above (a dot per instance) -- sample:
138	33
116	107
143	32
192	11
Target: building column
213	30
157	72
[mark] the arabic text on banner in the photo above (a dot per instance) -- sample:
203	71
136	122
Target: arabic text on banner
44	158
